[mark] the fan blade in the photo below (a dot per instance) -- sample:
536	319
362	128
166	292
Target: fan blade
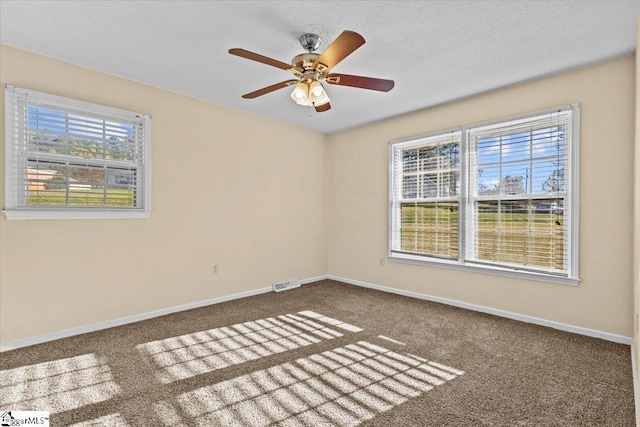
268	89
361	82
343	46
323	108
263	59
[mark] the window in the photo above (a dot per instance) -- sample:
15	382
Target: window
498	197
430	201
72	159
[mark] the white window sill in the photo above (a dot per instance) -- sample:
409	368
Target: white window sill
75	214
496	271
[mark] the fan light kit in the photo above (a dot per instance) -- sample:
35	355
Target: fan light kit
311	69
310	94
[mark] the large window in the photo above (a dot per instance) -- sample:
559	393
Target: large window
498	197
72	159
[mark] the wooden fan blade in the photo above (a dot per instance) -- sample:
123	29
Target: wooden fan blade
269	89
361	82
323	108
263	59
343	46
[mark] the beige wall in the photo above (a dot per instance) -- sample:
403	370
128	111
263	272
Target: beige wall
326	212
358	205
229	188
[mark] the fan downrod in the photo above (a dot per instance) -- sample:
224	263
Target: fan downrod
310	42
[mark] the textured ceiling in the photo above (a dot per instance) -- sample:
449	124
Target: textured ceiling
436	51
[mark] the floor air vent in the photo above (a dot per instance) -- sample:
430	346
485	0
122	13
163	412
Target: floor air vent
289	284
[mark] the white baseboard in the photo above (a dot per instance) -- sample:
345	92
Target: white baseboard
313	279
156	313
621	339
138	317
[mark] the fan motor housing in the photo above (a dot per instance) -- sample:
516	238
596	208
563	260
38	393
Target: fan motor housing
305	60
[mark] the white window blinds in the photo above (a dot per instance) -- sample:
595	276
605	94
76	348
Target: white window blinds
519	178
426	196
65	155
498	196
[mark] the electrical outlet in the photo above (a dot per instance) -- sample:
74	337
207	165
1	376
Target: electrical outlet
215	269
381	262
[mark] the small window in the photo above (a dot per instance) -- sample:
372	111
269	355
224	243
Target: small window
72	159
498	197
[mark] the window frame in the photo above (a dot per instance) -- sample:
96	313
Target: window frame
572	199
14	209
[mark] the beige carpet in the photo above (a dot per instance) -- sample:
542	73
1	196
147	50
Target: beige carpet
324	354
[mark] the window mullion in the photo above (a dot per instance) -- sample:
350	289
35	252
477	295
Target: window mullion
572	153
529	204
463	197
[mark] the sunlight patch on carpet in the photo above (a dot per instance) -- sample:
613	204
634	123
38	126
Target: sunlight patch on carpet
344	387
58	385
111	420
391	340
188	355
169	414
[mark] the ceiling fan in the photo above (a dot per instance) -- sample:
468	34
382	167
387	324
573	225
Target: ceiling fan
311	69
